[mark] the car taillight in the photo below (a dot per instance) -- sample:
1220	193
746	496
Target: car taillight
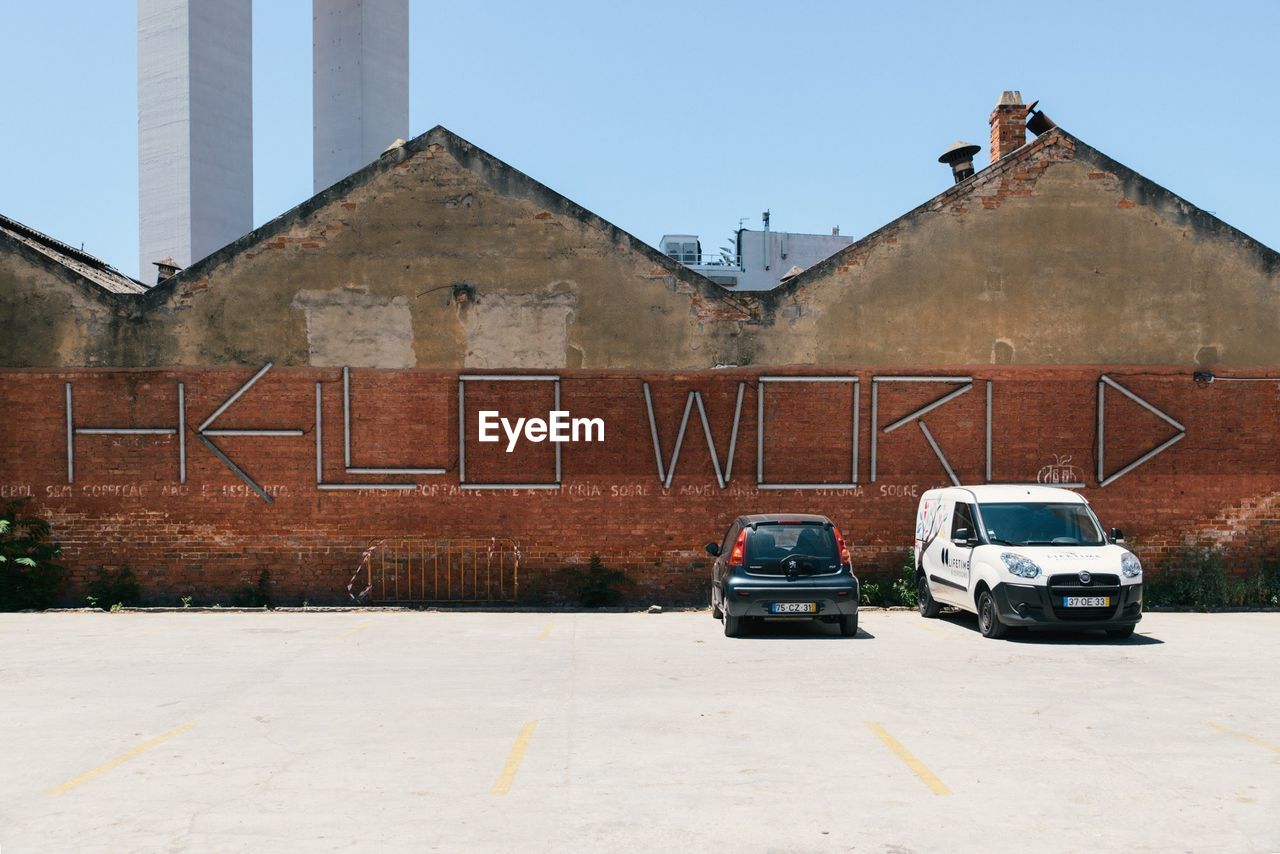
737	557
845	557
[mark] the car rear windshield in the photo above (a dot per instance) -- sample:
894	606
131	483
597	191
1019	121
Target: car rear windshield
1035	524
774	547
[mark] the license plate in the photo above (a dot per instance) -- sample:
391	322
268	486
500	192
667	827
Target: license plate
1086	601
793	608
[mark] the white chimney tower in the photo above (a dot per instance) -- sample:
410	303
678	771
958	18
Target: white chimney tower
360	84
195	128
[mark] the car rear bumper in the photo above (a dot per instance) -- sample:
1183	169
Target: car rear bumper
837	598
1032	605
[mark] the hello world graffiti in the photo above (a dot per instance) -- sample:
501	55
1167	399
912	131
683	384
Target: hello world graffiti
482	429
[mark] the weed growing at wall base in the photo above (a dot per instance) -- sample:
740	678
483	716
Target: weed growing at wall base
597	586
1197	579
29	578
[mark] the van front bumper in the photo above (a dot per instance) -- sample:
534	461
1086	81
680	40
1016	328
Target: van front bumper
1033	605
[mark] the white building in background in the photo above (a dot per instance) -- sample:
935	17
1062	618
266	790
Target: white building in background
195	128
360	83
757	260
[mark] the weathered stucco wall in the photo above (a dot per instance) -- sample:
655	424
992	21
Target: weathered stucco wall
48	316
1058	256
365	277
441	256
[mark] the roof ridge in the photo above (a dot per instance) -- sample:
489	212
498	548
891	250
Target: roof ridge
55	243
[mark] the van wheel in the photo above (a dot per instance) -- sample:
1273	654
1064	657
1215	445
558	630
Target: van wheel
732	626
928	606
1121	633
849	625
988	620
715	609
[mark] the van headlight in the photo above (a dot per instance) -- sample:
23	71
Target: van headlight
1130	565
1023	567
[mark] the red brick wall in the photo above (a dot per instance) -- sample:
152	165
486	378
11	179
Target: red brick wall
206	538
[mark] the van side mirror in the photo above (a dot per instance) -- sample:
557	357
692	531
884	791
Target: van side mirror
1117	535
964	537
713	549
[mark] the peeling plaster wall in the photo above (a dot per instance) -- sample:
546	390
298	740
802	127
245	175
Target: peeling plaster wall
47	318
1064	257
521	329
549	285
1055	255
351	327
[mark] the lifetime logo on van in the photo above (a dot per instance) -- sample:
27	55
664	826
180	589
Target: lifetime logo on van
559	426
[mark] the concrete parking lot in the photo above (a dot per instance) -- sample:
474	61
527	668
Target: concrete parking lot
596	732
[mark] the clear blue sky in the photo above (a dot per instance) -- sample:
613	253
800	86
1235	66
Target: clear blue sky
682	116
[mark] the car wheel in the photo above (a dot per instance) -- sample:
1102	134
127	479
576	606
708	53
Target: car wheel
928	606
732	626
1121	633
715	609
849	625
988	620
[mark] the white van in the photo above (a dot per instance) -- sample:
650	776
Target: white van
1033	556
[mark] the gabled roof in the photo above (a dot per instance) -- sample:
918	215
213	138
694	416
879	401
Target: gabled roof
88	267
1137	187
499	174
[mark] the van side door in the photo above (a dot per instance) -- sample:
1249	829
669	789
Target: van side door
959	551
935	552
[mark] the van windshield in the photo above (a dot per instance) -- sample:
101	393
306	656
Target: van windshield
1035	524
774	548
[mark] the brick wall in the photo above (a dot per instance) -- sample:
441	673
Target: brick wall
213	534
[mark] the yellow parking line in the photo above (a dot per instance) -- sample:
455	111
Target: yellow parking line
546	632
351	631
930	779
123	757
1249	738
514	758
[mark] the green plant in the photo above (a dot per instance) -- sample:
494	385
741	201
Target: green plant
186	601
116	608
903	589
257	596
870	593
596	586
1198	579
29	577
119	587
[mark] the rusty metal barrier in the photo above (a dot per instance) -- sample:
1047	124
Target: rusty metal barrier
417	570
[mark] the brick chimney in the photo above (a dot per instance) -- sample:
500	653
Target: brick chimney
1008	125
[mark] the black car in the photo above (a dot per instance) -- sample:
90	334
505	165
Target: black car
783	566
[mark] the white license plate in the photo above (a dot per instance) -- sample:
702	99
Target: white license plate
1086	601
793	608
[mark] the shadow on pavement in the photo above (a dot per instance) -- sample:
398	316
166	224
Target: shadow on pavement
799	629
1096	637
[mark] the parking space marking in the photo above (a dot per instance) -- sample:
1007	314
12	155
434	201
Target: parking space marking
1252	739
122	758
919	768
351	631
508	776
546	632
